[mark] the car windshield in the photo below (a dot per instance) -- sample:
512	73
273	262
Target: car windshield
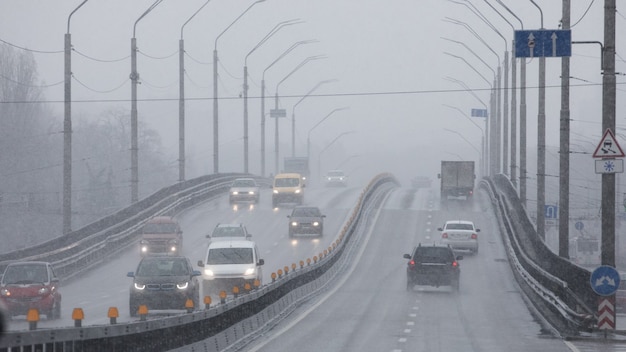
244	183
218	256
159	228
228	231
25	274
455	226
287	182
433	255
306	212
335	173
162	267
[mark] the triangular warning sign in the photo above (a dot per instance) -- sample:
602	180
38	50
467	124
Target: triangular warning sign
608	147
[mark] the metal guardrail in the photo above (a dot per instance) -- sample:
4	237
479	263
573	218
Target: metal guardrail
554	284
217	321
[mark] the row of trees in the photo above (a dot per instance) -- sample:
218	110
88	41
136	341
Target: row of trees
31	143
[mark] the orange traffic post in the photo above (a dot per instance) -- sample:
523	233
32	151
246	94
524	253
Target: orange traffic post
189	305
78	315
222	297
308	261
301	264
207	302
257	283
273	277
143	312
280	273
293	266
247	287
286	269
314	259
113	314
236	291
32	317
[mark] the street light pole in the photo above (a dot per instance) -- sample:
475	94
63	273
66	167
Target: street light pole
292	47
276	146
245	88
134	144
308	138
293	115
216	162
181	98
67	129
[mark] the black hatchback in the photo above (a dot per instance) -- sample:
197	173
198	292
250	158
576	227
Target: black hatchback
163	282
433	265
306	220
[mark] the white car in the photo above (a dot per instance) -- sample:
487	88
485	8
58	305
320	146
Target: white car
228	264
244	190
460	235
336	178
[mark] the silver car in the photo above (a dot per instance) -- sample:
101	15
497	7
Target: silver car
244	190
460	235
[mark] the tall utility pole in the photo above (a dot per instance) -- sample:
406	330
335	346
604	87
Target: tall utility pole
181	99
564	154
541	144
67	130
608	122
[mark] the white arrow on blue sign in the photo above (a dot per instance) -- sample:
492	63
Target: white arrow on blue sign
543	43
605	280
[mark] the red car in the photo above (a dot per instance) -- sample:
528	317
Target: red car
26	285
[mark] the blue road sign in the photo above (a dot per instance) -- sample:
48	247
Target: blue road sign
551	211
479	113
604	280
579	225
543	43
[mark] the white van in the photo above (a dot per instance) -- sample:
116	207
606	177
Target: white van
228	264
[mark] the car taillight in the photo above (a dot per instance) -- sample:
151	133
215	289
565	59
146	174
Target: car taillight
444	235
411	263
455	264
471	192
474	236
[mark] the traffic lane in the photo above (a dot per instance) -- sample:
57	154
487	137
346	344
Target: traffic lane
372	310
108	286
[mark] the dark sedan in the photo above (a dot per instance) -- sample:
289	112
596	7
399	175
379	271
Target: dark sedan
306	220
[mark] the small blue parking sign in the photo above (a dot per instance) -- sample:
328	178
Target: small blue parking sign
579	225
604	280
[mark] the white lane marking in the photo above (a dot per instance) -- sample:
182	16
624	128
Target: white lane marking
407	331
402	340
571	346
410	323
329	293
412	315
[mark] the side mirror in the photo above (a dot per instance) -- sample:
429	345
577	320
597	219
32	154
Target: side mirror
477	230
200	264
406	256
261	262
440	229
196	273
459	257
323	215
130	274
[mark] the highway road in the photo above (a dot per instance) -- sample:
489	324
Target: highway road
369	307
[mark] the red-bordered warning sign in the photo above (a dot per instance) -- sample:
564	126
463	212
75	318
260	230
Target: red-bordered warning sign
608	147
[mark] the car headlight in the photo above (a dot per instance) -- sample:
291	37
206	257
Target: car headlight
208	272
275	191
294	223
43	291
234	193
251	193
139	286
249	271
5	292
183	285
297	191
173	249
144	248
315	223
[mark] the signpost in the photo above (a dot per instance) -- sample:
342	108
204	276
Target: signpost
605	282
543	43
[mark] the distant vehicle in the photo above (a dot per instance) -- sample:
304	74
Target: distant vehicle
297	165
229	232
433	265
230	263
421	182
336	178
244	190
163	282
457	180
27	285
460	235
161	234
288	188
306	220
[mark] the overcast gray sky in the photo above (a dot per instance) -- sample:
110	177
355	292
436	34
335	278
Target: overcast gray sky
387	57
